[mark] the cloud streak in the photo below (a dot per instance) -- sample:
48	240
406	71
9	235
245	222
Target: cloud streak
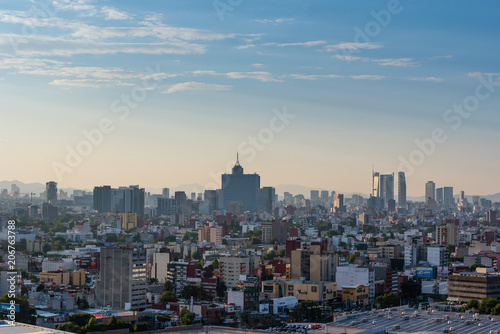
192	85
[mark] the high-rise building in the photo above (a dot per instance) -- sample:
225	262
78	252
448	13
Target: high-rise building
386	188
231	267
51	189
448	200
165	192
401	190
338	203
240	187
166	206
311	265
193	196
314	197
124	199
324	197
437	256
375	184
439	197
266	199
210	196
122	278
430	191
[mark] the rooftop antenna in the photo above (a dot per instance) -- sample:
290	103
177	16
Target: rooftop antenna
237	158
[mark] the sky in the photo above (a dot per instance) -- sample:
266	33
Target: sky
312	93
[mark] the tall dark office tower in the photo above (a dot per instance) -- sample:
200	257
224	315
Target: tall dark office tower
51	188
387	187
401	189
102	199
439	197
181	201
266	199
165	192
240	187
430	191
448	200
324	197
124	199
210	196
314	197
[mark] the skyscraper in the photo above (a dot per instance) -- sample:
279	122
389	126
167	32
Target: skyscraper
375	184
401	189
165	192
314	197
240	187
338	203
324	197
51	189
430	191
439	197
448	200
124	199
386	189
210	196
266	196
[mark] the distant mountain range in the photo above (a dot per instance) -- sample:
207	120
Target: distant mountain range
37	188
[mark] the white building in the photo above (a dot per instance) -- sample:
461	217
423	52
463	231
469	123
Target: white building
352	275
281	304
437	256
411	255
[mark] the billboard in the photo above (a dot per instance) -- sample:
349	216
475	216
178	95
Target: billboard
425	273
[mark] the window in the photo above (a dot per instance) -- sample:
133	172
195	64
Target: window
290	288
314	288
290	294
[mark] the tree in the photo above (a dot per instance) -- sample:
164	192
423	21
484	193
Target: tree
351	258
26	314
170	238
69	327
195	291
410	290
361	247
168	296
475	266
168	286
220	288
215	263
388	300
111	237
187	318
487	305
82	304
80	319
306	310
372	240
137	238
141	327
40	287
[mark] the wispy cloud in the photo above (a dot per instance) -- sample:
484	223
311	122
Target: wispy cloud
337	76
306	44
195	86
257	65
242	47
88	83
260	76
115	14
35	46
352	46
478	74
276	21
398	62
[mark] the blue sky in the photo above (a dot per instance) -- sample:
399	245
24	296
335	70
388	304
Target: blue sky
361	91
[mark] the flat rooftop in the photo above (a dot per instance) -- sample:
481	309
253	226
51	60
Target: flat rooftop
413	321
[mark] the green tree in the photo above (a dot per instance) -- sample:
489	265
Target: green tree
111	237
372	240
196	292
220	288
40	287
476	265
306	310
168	286
487	305
69	327
215	263
141	327
472	304
388	300
26	314
137	238
187	318
361	247
21	245
167	297
80	319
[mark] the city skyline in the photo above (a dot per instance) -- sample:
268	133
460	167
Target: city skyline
311	94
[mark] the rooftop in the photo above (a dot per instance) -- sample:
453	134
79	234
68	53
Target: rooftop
413	321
